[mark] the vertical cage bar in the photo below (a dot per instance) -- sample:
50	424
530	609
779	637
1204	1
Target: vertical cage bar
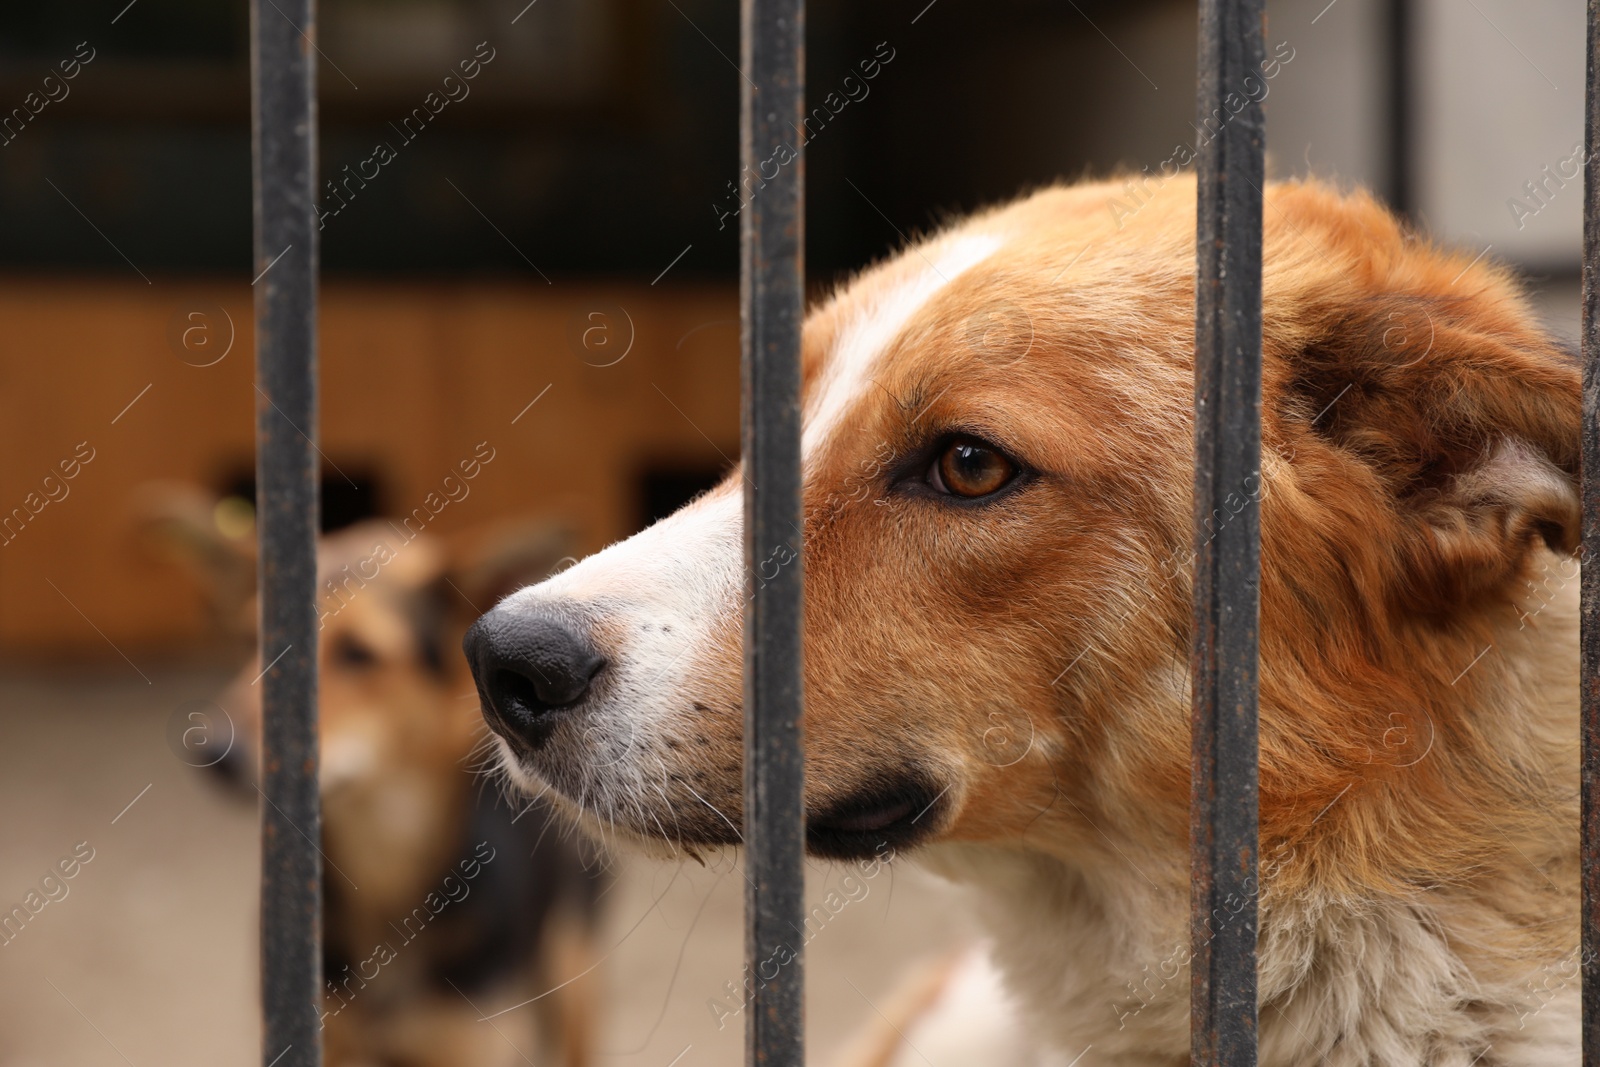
1227	590
1589	944
284	130
772	245
1399	135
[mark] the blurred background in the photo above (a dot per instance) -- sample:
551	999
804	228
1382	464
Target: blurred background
543	262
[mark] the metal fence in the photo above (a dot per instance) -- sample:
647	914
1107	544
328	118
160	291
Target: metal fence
771	282
1589	669
283	123
1223	833
1227	554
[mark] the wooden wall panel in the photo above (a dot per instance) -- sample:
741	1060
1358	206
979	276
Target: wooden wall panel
414	376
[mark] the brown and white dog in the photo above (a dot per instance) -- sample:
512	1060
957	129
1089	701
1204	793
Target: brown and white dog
441	901
997	479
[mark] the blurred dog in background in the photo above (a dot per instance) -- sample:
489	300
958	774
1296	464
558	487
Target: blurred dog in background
442	903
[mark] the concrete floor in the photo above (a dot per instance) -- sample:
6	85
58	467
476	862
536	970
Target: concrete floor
150	957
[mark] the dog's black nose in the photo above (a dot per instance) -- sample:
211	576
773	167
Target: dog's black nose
528	664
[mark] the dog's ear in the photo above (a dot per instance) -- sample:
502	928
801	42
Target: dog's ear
212	541
491	563
1465	418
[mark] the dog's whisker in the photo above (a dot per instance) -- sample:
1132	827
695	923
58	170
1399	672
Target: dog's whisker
716	809
661	787
656	903
677	968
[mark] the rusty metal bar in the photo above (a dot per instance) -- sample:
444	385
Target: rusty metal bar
1227	544
284	130
1589	844
772	275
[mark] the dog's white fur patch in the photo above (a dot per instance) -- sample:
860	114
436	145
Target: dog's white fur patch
847	375
662	590
974	1020
1090	966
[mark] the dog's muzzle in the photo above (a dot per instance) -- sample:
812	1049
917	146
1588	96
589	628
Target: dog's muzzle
532	668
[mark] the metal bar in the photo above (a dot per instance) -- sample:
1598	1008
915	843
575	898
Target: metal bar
1589	689
284	129
772	246
1400	135
1223	824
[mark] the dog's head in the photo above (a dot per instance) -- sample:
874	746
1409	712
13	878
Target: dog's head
396	720
998	456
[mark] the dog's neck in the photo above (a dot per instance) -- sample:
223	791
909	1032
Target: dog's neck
1095	948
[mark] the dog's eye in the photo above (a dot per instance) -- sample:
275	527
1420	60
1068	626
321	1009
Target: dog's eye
969	468
349	652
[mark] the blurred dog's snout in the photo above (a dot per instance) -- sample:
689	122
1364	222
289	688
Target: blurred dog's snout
528	665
